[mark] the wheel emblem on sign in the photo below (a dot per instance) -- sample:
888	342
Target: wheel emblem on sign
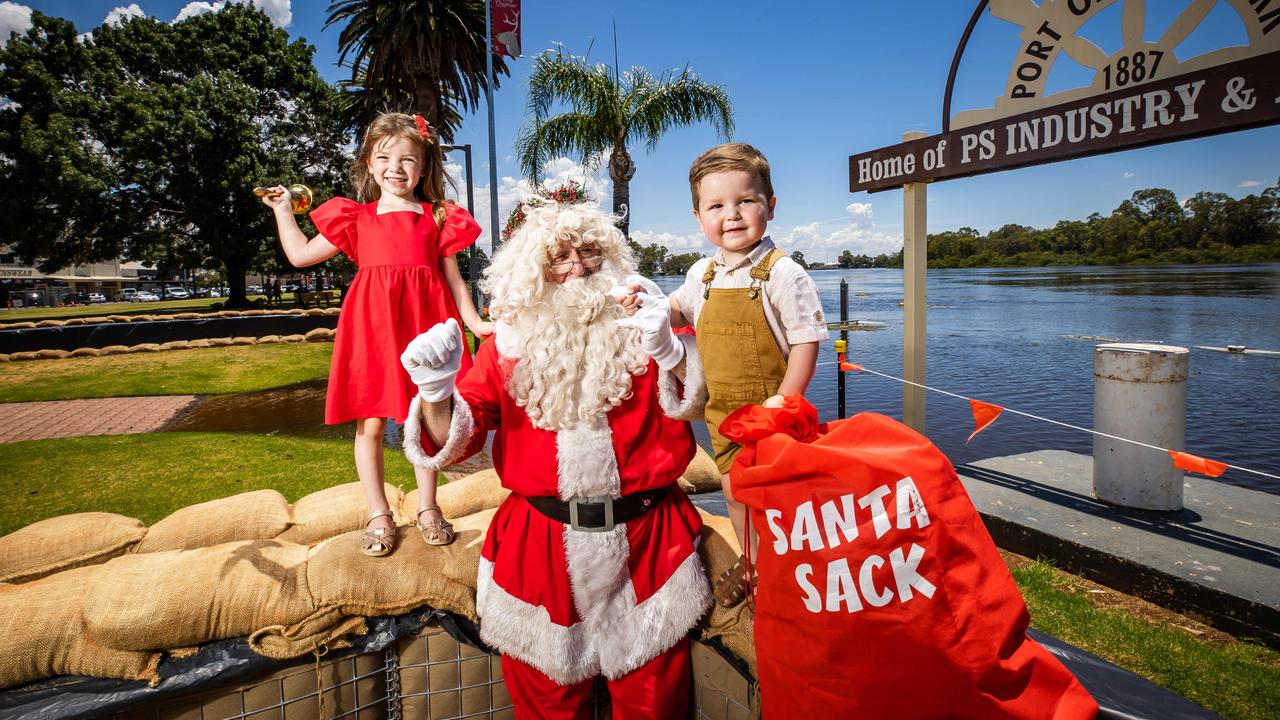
1050	29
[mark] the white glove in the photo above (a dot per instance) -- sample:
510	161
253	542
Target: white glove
432	360
653	320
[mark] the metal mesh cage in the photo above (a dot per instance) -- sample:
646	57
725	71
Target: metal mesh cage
441	679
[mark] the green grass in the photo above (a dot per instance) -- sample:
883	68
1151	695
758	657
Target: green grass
204	371
149	476
1234	679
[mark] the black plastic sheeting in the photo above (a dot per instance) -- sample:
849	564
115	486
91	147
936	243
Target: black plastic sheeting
100	335
217	664
1121	695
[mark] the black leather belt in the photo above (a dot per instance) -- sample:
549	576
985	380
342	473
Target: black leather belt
596	514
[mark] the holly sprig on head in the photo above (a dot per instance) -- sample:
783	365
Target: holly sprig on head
570	193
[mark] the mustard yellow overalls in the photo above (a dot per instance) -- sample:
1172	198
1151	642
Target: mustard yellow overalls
741	359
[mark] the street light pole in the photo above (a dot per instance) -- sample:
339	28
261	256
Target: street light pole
473	266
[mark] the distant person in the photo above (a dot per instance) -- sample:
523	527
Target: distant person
403	237
757	313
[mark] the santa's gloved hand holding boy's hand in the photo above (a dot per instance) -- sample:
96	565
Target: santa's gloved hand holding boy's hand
653	320
433	358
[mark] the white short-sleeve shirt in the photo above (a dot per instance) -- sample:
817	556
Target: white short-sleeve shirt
792	307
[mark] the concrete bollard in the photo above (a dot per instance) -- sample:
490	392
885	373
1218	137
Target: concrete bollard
1139	392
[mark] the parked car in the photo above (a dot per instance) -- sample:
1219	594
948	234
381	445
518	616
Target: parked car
97	297
253	290
145	296
127	295
175	292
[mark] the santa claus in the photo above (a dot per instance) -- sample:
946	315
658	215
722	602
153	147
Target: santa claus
589	567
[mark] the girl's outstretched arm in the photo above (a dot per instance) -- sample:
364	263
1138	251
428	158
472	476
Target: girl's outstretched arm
462	298
300	251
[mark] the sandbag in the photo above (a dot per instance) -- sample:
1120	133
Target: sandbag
42	634
66	541
416	574
702	475
874	565
188	597
719	549
465	496
257	515
333	511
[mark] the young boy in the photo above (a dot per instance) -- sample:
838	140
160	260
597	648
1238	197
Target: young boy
757	313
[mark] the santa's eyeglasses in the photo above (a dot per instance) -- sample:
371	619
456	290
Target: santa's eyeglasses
589	258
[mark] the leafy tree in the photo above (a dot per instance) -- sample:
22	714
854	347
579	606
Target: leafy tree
846	259
427	54
649	258
609	113
144	141
680	264
799	258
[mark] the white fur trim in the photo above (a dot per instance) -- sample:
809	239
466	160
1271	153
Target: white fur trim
526	632
461	427
694	402
616	635
587	464
631	639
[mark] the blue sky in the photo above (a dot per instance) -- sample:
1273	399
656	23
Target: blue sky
812	83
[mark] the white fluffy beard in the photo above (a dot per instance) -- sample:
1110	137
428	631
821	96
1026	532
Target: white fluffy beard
574	363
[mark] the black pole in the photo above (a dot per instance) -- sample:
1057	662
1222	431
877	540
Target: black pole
844	337
473	263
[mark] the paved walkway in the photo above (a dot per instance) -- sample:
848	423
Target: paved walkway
77	418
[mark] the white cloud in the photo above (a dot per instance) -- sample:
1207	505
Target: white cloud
1129	174
857	234
512	191
280	11
674	243
120	14
1250	183
14	18
192	9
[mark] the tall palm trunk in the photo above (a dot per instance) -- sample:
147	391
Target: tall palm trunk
621	170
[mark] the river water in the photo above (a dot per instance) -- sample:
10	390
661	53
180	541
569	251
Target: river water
1004	336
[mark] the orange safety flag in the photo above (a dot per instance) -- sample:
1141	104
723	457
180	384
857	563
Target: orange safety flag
983	415
1197	464
847	366
880	593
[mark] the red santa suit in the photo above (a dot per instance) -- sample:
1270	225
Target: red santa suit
569	603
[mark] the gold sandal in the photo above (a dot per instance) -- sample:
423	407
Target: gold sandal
435	532
379	542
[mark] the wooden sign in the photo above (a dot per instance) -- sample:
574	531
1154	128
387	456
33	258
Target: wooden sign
1142	94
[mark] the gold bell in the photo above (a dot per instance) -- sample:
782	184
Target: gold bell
300	197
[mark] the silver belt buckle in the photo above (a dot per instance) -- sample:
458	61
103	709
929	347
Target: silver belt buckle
608	513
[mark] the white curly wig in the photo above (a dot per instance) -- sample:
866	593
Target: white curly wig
574	364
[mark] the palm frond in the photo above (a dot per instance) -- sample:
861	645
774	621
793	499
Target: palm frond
559	76
569	133
683	99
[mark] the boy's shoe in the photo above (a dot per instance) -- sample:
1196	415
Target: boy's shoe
731	586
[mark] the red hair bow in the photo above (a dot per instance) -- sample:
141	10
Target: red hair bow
423	128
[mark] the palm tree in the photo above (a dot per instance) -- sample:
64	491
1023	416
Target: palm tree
609	112
429	53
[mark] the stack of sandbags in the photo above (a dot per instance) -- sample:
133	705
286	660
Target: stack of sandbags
291	578
65	542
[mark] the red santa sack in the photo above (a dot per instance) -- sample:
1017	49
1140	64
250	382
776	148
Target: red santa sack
879	592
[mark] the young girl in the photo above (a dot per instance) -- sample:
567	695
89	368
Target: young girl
403	239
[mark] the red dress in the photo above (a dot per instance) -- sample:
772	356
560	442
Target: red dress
398	293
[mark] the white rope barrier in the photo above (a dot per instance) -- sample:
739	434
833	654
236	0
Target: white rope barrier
863	368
